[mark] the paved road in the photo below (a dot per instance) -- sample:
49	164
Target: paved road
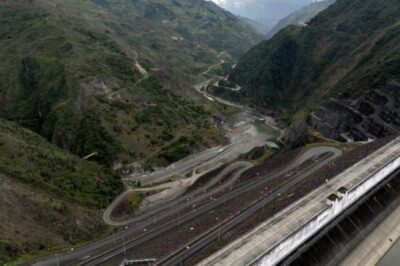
194	198
269	241
241	142
237	169
108	249
202	88
178	257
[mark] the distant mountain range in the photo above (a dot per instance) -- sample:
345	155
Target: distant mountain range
260	26
261	10
300	16
269	27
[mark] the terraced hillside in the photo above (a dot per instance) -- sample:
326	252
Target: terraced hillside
113	77
375	114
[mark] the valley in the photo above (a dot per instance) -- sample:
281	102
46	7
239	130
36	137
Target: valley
329	60
173	132
184	197
127	66
101	88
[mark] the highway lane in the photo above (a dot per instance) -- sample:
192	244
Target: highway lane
180	204
313	152
236	169
180	256
273	234
108	249
218	202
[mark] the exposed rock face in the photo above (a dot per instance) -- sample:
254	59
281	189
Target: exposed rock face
376	114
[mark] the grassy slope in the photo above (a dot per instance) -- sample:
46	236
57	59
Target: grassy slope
351	46
46	167
49	198
69	71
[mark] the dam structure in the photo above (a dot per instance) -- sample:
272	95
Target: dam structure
278	237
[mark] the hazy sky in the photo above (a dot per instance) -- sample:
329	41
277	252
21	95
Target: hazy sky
265	9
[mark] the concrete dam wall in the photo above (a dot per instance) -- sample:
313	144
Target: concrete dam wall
334	207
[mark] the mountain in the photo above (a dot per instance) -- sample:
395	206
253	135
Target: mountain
263	10
114	77
348	53
301	16
110	80
48	197
260	27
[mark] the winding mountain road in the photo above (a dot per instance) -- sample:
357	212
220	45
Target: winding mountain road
181	255
236	168
101	251
134	232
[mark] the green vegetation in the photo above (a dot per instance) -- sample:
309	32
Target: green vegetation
346	49
176	119
106	78
134	200
69	71
92	138
129	205
196	21
28	158
50	198
178	149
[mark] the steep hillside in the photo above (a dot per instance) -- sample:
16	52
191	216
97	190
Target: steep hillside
48	197
349	49
301	16
113	77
